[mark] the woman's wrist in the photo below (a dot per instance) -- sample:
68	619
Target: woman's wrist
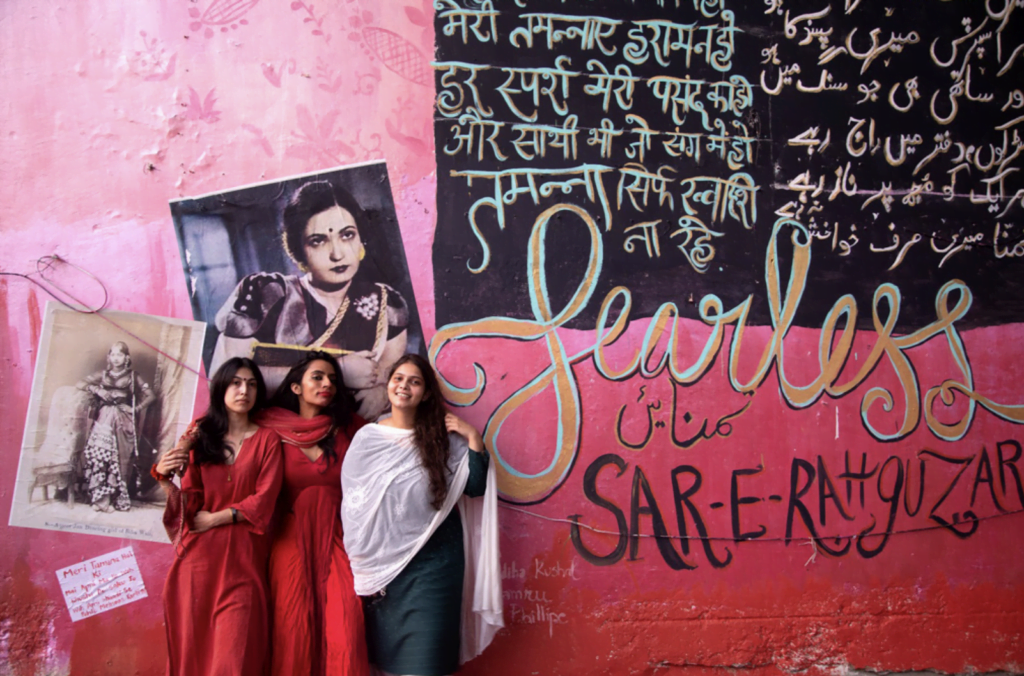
161	478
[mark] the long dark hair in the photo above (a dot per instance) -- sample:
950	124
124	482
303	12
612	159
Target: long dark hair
429	431
210	447
339	409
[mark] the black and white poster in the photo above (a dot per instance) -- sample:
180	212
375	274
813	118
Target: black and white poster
312	262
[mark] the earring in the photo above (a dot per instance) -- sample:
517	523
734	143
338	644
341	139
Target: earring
362	253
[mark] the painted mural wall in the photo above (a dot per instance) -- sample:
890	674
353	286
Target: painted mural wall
733	287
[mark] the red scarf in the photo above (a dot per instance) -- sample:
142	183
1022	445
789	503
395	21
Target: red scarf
293	428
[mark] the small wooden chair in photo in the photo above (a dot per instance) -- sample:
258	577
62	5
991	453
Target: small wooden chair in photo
58	477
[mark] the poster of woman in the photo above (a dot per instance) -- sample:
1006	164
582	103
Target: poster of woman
312	262
109	392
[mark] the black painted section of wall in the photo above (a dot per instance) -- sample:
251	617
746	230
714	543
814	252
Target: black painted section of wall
940	222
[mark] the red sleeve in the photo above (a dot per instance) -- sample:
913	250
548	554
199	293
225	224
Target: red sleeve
182	504
191	434
258	508
174	524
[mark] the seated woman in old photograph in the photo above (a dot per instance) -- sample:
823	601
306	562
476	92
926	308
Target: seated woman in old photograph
118	397
331	307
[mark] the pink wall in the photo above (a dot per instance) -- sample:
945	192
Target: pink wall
110	110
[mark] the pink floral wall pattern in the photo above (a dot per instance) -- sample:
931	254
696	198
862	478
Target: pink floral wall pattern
224	15
153	62
202	108
317	138
397	53
310	17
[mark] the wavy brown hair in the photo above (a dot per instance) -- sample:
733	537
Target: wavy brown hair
429	431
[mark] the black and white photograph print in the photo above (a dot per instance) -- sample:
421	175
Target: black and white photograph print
104	403
312	262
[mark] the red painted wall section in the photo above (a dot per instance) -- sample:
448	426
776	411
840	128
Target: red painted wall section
109	110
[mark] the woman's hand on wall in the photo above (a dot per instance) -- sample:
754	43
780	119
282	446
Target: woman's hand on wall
371	402
360	370
456	424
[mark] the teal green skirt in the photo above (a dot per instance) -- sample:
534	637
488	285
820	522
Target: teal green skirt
414	627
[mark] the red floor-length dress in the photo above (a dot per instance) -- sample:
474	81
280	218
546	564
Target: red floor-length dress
317	624
215	597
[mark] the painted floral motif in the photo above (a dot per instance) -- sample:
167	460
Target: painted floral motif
418	17
401	115
318	138
368	306
202	109
367	83
260	139
152	63
223	14
326	79
398	54
311	18
369	152
404	126
274	74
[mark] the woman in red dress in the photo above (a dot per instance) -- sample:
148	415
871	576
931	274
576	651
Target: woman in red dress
215	597
317	625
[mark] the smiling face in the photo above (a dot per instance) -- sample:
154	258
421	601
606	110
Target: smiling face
332	248
406	387
241	394
317	389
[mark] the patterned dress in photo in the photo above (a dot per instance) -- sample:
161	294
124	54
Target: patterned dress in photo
113	439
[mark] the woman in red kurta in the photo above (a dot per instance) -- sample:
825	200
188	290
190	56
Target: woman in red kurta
317	625
215	597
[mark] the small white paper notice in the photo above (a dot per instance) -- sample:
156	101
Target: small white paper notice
101	584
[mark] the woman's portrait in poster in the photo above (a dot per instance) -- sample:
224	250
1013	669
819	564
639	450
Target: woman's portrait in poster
104	401
314	263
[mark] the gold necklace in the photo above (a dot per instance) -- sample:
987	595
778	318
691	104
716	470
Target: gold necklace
333	326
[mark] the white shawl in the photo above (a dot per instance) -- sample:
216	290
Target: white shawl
387	518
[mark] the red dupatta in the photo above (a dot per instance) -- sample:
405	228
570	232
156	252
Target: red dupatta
293	428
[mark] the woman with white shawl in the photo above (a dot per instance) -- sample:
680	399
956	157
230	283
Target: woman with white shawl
430	573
